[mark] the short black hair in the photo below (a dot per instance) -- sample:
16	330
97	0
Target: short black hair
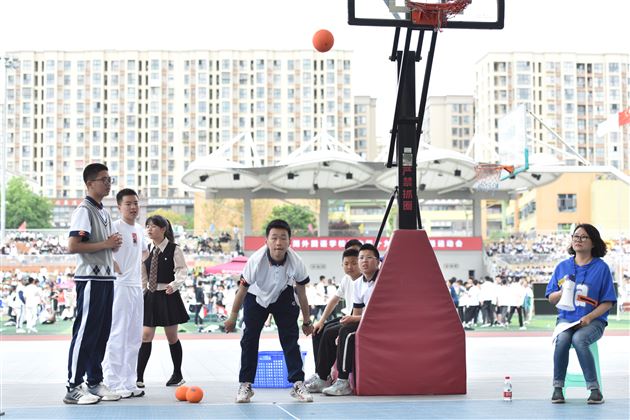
372	248
353	242
599	246
91	171
351	252
278	224
124	193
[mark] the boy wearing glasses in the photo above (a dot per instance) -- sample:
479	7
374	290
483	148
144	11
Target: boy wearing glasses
369	260
94	240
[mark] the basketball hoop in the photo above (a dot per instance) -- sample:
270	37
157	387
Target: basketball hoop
436	14
488	175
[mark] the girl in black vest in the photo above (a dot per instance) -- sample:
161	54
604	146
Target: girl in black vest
163	272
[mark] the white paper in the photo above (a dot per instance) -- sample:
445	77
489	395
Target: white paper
563	326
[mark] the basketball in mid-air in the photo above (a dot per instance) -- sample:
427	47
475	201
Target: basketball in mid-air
180	392
194	394
323	40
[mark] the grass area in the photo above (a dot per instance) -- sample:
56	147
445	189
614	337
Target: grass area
538	323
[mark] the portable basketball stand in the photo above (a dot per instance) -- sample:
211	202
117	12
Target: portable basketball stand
410	340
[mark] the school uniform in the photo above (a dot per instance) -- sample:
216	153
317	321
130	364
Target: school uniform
363	289
160	309
345	292
270	291
125	338
94	278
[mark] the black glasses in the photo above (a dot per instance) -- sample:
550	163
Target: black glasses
580	238
105	179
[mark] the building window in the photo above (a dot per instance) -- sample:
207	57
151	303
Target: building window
567	202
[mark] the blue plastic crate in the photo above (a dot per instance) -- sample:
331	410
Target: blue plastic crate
272	370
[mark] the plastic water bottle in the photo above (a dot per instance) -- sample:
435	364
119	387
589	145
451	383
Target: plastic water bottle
507	389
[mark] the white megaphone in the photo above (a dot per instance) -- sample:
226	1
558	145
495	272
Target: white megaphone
568	292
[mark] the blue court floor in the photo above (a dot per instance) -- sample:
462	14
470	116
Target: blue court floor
33	372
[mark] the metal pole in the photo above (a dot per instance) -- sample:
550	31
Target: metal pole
3	157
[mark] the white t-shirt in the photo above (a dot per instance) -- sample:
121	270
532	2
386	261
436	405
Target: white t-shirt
129	256
346	292
363	291
32	295
267	281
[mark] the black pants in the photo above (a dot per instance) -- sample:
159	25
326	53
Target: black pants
317	338
327	354
487	312
198	319
518	309
471	313
285	313
345	351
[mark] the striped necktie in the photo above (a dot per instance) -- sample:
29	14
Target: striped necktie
153	270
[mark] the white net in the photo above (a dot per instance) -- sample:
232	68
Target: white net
487	177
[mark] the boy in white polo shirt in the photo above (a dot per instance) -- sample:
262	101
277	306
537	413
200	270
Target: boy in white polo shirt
125	338
369	261
267	286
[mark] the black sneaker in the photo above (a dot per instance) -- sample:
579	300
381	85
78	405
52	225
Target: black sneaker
176	380
557	397
596	397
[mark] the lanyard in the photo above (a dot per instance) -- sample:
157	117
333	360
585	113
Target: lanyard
575	267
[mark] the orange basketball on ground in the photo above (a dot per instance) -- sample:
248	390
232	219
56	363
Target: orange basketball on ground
323	40
180	392
194	394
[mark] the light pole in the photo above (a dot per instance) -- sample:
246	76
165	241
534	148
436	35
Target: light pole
9	63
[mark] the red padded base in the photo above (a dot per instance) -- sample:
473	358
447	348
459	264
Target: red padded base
410	341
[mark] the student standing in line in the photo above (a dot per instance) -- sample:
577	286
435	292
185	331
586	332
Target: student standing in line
271	278
94	240
163	273
125	338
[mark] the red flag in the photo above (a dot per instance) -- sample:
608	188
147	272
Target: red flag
22	227
624	117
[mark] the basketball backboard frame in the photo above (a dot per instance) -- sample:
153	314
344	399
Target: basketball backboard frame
398	15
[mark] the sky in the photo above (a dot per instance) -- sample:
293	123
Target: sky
531	25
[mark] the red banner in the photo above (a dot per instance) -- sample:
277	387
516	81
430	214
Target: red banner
327	243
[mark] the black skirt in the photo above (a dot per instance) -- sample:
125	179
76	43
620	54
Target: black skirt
162	310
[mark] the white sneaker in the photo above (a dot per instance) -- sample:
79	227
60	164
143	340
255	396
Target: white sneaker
300	393
31	330
79	395
312	378
340	387
102	391
137	393
523	328
245	392
123	393
317	386
20	330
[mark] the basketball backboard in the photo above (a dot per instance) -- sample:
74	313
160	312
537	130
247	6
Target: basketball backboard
478	14
513	139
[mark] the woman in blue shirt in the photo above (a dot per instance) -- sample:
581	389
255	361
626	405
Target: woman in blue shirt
594	295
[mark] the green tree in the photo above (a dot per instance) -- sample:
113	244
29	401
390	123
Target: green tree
298	217
185	220
23	205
